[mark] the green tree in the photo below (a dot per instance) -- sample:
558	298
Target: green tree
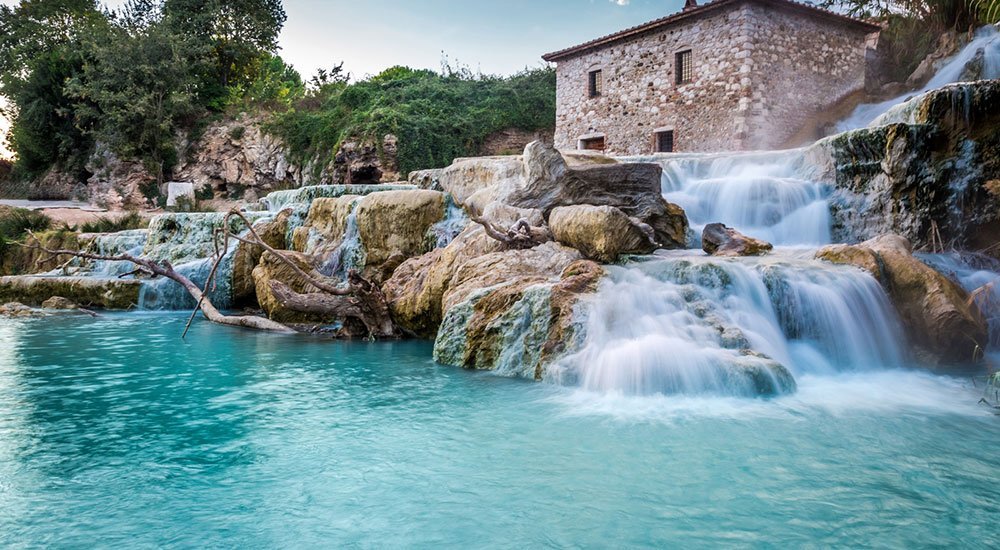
237	32
40	50
143	91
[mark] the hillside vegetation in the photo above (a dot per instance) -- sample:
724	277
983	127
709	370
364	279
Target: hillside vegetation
435	117
142	80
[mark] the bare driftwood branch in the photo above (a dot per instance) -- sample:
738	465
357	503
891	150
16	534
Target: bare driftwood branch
522	235
360	301
164	269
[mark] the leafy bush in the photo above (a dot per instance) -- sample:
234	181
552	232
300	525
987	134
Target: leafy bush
435	117
108	224
15	223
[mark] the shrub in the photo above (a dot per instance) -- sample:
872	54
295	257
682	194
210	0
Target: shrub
435	117
108	224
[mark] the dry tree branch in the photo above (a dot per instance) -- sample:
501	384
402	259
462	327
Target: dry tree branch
164	269
519	236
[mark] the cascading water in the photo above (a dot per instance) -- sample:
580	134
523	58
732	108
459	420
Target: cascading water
186	241
984	49
690	325
350	253
772	195
455	220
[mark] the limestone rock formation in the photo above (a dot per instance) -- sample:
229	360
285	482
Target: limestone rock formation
271	269
17	309
416	290
601	233
89	292
516	328
394	226
719	240
925	173
942	323
364	162
247	257
238	159
544	179
58	302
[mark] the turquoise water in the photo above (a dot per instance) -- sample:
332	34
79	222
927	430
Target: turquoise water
114	432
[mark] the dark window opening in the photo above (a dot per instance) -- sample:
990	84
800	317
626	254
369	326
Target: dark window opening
596	83
665	142
683	67
592	144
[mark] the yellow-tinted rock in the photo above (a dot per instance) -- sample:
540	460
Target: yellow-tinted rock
601	233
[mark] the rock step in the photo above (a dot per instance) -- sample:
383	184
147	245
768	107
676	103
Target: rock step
89	292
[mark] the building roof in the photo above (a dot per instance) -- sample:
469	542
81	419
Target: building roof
690	13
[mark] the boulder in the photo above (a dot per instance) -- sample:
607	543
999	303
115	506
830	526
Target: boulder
600	233
416	290
58	302
523	266
270	269
395	225
942	323
543	179
180	196
17	309
245	259
719	240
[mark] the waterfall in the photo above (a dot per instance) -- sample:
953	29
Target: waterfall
984	48
454	222
350	253
186	241
769	195
732	327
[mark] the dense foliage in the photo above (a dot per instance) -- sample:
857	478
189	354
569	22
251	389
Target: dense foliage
16	223
131	79
435	117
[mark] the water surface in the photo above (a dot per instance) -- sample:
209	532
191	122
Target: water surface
114	432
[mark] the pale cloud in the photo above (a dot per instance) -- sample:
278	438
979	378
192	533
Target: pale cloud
619	2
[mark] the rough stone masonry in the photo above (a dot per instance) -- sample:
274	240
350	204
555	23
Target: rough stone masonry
759	71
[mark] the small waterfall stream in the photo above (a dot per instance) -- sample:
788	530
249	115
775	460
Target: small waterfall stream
769	195
984	48
684	324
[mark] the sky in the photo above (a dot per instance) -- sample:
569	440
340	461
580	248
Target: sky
488	36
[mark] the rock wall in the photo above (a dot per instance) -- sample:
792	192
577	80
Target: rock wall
930	174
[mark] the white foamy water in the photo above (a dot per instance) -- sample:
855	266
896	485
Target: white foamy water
986	44
731	327
774	196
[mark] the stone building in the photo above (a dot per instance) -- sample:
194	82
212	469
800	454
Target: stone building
731	75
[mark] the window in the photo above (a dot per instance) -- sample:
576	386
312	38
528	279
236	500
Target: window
665	141
592	144
682	66
595	83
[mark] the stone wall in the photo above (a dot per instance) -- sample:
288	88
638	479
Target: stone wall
512	141
799	66
759	73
